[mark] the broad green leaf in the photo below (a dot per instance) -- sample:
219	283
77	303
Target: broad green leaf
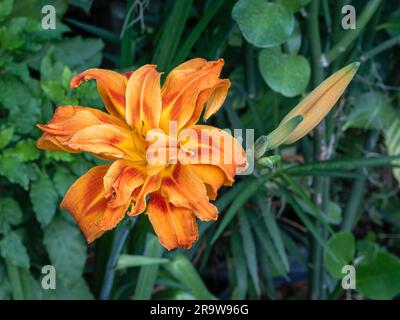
294	5
5	8
63	179
334	213
59	156
6	136
342	245
44	199
182	269
89	49
294	42
85	5
10	214
379	279
72	290
370	111
263	24
24	150
284	73
366	251
392	141
128	261
15	170
66	248
148	274
12	249
249	248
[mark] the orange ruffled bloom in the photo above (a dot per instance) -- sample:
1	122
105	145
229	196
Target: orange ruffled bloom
172	195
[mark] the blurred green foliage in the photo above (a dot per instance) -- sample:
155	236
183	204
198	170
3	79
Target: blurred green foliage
275	234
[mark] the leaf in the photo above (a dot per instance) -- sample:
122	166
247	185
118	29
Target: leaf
148	274
5	8
263	24
15	170
379	279
392	141
249	249
73	290
85	5
44	199
25	150
370	112
6	136
63	179
5	289
342	245
89	49
66	248
240	263
182	269
12	249
128	261
294	42
10	214
284	73
294	5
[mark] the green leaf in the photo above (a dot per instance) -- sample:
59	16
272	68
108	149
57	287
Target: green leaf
284	73
44	199
182	269
294	42
148	274
59	156
25	150
392	141
263	24
5	289
63	179
128	261
370	112
342	245
5	8
66	248
379	279
249	249
85	5
79	53
12	249
240	264
10	214
6	136
73	290
294	5
15	170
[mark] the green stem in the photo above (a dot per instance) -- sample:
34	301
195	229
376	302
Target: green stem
380	48
118	243
352	34
316	249
15	280
358	190
126	42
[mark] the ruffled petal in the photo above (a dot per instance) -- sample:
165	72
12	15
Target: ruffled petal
86	202
185	189
213	146
143	98
111	86
174	226
120	182
151	184
182	88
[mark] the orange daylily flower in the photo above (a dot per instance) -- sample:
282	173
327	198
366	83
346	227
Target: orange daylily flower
173	194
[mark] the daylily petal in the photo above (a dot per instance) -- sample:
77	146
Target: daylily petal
184	188
111	86
212	176
175	227
182	88
143	98
107	140
112	216
120	181
86	202
151	184
320	101
215	147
